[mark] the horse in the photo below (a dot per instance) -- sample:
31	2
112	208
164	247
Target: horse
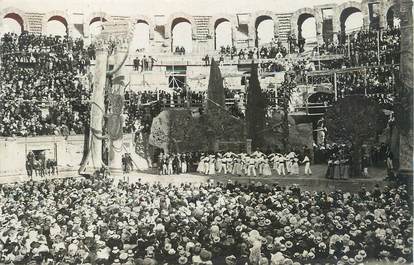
39	168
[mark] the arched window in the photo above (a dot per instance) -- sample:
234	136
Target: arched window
351	19
307	28
96	26
141	39
57	25
223	34
181	34
13	23
264	30
393	21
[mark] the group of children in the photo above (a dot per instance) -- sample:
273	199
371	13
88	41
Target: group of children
254	164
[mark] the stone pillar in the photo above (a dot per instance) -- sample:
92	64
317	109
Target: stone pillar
406	90
94	161
116	146
319	31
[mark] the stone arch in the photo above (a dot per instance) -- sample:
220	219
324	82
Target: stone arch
179	16
343	11
216	20
61	16
92	17
146	19
387	7
303	13
15	14
258	17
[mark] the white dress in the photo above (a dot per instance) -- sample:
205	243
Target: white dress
184	166
200	167
295	167
266	169
212	166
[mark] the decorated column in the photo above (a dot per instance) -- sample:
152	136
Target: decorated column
93	161
115	117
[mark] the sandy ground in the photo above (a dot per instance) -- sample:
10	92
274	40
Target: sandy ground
317	181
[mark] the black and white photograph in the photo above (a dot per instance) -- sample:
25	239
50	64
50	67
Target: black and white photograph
206	132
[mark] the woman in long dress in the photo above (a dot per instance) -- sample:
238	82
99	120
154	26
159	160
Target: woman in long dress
266	168
237	167
206	164
295	166
200	167
183	164
212	166
336	168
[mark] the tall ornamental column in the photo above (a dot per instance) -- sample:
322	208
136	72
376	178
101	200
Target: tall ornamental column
94	161
116	140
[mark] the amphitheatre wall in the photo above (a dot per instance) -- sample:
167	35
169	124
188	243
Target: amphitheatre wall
329	19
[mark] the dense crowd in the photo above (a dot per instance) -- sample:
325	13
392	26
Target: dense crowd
273	50
42	88
375	47
369	81
93	221
330	47
362	47
45	91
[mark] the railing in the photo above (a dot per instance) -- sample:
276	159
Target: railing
331	76
313	109
198	60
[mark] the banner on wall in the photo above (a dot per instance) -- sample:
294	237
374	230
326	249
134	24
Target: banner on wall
114	29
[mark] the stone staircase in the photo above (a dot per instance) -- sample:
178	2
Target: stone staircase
202	30
34	21
284	26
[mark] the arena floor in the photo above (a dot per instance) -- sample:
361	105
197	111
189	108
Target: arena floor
317	181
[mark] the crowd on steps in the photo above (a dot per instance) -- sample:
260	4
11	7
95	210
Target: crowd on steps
45	87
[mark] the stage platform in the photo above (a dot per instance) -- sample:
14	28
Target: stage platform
315	182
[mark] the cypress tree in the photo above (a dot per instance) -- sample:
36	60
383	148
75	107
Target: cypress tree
215	92
256	110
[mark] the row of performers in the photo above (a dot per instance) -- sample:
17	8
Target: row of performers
253	164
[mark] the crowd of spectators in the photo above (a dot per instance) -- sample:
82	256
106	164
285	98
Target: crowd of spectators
42	88
375	47
273	50
329	48
93	221
370	81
